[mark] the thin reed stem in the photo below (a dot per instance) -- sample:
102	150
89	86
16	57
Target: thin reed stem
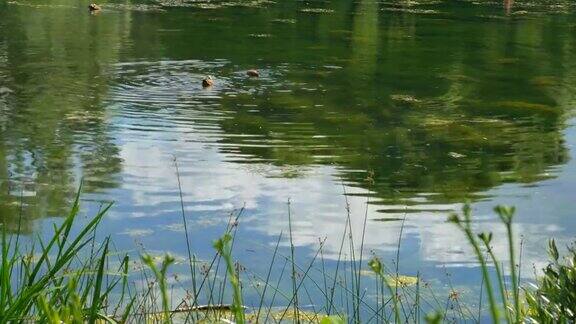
188	247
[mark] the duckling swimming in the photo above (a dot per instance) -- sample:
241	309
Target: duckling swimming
207	82
94	7
253	73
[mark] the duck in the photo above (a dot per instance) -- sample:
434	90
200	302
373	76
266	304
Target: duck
94	7
253	73
207	82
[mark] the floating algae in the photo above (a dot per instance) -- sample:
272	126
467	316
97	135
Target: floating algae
401	281
35	5
544	81
527	106
393	280
134	7
436	121
412	3
214	4
83	117
413	11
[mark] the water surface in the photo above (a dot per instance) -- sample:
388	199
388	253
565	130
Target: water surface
393	109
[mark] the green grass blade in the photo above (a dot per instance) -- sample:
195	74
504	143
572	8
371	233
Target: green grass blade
96	298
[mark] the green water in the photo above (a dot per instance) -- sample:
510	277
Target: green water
413	108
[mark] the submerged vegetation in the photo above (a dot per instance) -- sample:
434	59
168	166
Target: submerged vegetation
71	278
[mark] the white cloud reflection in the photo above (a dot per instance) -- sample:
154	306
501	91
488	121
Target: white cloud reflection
318	205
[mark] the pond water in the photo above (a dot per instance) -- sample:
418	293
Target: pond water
394	109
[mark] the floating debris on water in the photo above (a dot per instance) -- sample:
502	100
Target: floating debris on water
413	11
405	98
491	17
260	35
285	21
317	10
456	155
412	3
519	13
207	6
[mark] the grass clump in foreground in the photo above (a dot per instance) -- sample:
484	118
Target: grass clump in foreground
68	279
48	283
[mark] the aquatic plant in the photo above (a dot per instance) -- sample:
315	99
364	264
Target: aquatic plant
224	248
553	299
45	281
161	279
